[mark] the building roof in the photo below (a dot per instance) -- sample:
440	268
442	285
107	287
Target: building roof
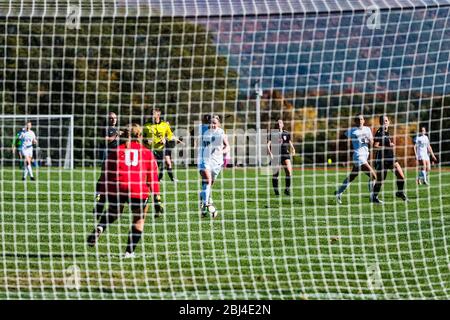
198	8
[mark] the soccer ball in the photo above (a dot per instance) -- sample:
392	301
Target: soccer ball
212	211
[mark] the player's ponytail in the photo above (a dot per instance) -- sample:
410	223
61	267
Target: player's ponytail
133	132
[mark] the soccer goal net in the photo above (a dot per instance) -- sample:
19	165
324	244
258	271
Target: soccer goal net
302	149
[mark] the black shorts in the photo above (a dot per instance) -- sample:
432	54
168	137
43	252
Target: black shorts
159	155
168	152
385	164
280	159
285	157
117	199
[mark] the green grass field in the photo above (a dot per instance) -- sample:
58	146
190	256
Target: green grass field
259	247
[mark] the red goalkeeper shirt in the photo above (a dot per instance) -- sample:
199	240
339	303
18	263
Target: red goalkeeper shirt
131	171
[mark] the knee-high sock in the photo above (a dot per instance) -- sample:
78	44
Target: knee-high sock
288	181
343	186
424	175
381	176
205	193
133	238
25	171
170	173
275	182
30	171
400	184
160	169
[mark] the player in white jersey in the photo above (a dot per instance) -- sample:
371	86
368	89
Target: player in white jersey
212	145
28	139
423	150
361	138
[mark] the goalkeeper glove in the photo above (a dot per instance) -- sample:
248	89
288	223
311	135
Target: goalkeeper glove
159	208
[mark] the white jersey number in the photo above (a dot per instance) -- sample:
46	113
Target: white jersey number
131	160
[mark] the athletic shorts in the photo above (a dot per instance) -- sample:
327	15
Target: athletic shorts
385	164
118	199
211	167
279	160
285	157
423	156
159	155
168	152
359	159
27	152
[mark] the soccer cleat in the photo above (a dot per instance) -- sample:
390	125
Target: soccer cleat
93	237
175	180
23	178
425	182
204	210
375	199
277	193
419	181
287	192
338	197
401	195
32	178
129	255
159	208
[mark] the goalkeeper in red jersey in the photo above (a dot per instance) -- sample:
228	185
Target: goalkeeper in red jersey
130	173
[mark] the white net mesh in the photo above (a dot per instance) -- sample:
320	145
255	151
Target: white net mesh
312	64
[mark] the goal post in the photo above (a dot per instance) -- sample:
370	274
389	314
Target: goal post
55	135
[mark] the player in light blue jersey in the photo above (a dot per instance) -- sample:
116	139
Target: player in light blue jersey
212	145
361	138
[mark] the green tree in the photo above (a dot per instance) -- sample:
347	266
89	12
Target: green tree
126	65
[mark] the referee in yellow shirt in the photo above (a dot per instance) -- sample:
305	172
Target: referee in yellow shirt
156	134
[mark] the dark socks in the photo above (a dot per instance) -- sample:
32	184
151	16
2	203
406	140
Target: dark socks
170	173
288	182
133	238
275	183
400	185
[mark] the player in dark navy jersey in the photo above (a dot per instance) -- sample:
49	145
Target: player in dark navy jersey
385	160
281	149
111	142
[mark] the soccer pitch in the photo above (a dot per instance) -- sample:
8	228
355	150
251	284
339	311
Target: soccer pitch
259	247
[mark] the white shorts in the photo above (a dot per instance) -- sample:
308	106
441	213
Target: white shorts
359	159
212	167
423	156
27	152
